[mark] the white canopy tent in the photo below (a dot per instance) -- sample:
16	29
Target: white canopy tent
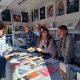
4	4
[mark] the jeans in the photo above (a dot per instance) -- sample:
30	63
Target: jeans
2	66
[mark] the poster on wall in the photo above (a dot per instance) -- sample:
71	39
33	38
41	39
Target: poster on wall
60	8
50	11
6	15
42	13
36	16
32	16
72	6
25	17
16	16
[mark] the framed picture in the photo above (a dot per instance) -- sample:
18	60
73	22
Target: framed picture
59	7
42	13
36	16
72	6
32	16
6	15
25	17
50	11
16	16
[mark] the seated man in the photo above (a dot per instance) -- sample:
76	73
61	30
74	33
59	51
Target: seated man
30	37
66	52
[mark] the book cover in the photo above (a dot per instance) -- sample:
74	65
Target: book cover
48	71
35	66
24	60
31	76
23	70
31	49
15	65
44	72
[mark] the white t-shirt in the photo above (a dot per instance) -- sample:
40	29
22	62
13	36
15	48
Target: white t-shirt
2	45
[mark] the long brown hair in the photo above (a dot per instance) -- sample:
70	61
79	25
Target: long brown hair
48	38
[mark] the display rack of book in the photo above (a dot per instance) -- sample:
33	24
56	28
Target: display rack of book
15	21
18	34
9	35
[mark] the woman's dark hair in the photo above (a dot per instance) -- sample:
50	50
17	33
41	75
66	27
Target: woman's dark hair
48	37
43	28
63	27
2	26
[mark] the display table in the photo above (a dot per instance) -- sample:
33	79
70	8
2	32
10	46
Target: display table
25	65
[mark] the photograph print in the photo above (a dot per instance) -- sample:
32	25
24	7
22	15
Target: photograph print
72	6
6	15
25	17
42	13
59	7
50	11
36	16
32	16
16	16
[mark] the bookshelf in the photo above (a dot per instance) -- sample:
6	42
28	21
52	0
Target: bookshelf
15	21
18	34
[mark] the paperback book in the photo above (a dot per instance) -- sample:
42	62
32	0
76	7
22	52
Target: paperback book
32	76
